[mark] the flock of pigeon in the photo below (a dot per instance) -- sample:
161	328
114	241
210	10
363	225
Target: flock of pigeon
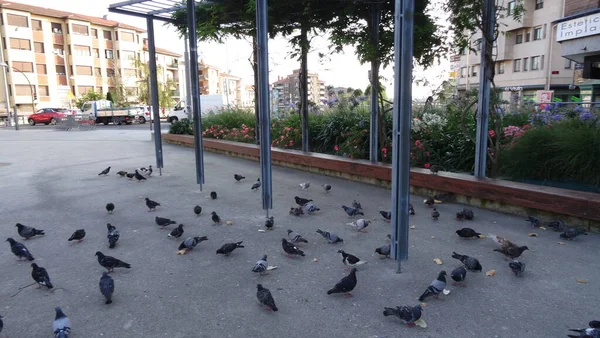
410	315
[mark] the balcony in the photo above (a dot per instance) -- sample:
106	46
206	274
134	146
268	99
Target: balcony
526	20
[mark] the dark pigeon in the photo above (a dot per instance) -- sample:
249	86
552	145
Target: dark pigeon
122	173
435	214
269	223
387	215
407	314
430	202
40	276
265	298
1	324
460	216
352	211
78	235
163	222
130	175
459	275
112	235
261	266
191	242
508	248
19	250
534	221
411	210
384	251
468	233
238	177
327	187
197	210
228	248
139	177
517	267
346	284
213	195
104	172
356	205
589	332
349	259
296	211
331	238
28	232
301	201
571	233
110	207
434	169
110	263
556	225
290	248
61	325
151	204
215	218
177	232
296	237
436	287
469	262
468	214
107	287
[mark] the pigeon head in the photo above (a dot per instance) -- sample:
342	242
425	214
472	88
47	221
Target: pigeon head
147	199
33	265
213	213
18	225
259	287
105	274
442	275
264	258
524	247
11	241
283	240
289	231
341	251
59	313
99	254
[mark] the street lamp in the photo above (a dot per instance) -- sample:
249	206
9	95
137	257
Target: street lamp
66	74
5	65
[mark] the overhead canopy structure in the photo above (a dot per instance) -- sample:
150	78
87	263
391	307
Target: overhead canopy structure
155	9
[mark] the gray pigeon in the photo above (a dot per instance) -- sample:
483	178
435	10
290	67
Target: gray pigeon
19	250
110	263
407	314
459	275
436	287
310	208
104	172
517	267
352	211
261	266
265	298
61	325
256	185
557	225
384	251
470	262
107	287
191	243
113	235
1	324
28	232
571	233
296	237
305	185
331	238
360	224
327	187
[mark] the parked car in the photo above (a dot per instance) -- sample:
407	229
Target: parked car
144	114
47	116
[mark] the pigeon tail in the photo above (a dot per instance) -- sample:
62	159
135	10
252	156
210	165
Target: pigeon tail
388	311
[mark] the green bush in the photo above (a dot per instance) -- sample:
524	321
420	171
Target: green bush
182	127
230	118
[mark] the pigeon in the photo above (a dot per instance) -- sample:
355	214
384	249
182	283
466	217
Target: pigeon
62	324
468	214
265	298
349	259
571	233
1	323
591	332
139	177
238	177
122	173
197	210
296	211
28	232
470	262
346	284
149	170
19	250
191	242
107	287
270	222
78	235
151	204
296	237
40	276
429	202
387	215
163	222
310	208
290	248
411	210
517	267
261	266
327	187
438	285
331	238
460	216
556	225
256	185
113	235
352	211
435	214
228	248
356	205
301	201
305	185
213	195
384	251
534	221
130	175
459	275
110	207
467	233
360	224
215	218
110	262
508	248
104	172
407	314
434	169
177	232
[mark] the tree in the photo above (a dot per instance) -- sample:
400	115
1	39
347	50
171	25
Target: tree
89	96
109	97
165	89
115	83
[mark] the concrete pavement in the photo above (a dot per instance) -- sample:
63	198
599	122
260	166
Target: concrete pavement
49	180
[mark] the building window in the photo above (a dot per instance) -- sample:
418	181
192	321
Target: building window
58	49
528	37
517	65
23	90
82	50
525	64
17	20
110	72
474	70
43	91
84	89
127	55
537	33
36	25
22	44
539	4
38	47
56	28
535	63
84	70
501	67
40	68
511	8
478	43
80	29
129	37
94	32
96	52
108	53
61	70
97	71
567	64
519	39
107	35
25	67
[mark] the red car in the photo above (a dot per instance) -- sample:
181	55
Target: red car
47	116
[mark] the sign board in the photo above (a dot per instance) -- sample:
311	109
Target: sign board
578	28
544	96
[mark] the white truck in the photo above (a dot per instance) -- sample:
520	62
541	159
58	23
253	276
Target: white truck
104	112
208	103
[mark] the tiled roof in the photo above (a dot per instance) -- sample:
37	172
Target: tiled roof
53	13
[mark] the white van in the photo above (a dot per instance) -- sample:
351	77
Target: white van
207	103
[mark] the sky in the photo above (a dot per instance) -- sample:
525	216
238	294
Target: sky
340	70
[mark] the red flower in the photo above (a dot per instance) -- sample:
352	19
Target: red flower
527	126
335	148
417	143
427	154
384	150
426	165
492	133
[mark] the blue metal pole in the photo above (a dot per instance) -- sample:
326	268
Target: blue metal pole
483	104
262	39
154	95
374	135
403	55
195	92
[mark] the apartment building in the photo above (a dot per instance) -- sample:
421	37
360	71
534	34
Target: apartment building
288	89
54	56
527	55
213	81
170	69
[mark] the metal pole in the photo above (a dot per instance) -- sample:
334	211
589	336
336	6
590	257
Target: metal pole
403	55
149	103
16	115
154	95
374	135
483	105
195	92
188	97
262	39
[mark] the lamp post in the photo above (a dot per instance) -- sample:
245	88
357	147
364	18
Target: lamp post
66	74
5	65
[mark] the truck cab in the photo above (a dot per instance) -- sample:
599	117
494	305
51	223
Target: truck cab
208	103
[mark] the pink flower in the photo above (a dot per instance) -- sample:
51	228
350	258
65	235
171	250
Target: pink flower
291	143
417	143
384	155
336	148
384	150
492	133
427	154
426	165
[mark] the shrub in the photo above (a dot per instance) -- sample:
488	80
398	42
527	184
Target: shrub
182	127
229	118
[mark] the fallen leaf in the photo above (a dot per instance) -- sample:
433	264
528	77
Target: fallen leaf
542	228
421	323
413	227
561	243
582	281
437	261
446	292
490	273
271	267
229	222
532	234
181	252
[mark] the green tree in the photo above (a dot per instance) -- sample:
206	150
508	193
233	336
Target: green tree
109	97
165	89
89	96
115	83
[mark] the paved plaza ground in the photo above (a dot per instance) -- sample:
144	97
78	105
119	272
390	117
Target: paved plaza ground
49	180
